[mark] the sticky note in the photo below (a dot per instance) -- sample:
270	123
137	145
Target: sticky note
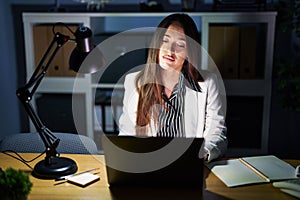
83	179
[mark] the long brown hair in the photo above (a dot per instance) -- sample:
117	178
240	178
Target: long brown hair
148	81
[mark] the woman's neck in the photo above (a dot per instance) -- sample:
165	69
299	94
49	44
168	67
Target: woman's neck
169	80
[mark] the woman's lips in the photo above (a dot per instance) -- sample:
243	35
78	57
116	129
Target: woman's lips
169	58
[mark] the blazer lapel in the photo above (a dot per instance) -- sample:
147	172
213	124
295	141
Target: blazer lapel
194	112
190	112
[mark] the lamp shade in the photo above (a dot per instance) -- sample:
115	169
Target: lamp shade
84	47
84	39
86	63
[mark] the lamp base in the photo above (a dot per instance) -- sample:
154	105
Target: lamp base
59	166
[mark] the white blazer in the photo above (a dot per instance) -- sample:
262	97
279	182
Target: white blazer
204	114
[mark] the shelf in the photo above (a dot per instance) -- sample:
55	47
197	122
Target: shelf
245	87
107	86
103	25
232	87
62	85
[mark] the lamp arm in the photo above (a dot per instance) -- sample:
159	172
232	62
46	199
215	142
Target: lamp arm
26	92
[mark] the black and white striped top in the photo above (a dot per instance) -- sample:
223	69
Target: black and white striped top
171	117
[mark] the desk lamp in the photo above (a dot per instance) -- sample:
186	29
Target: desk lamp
54	166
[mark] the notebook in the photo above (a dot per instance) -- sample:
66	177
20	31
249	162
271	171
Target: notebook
153	161
251	170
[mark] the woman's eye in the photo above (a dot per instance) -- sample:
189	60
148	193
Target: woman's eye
181	45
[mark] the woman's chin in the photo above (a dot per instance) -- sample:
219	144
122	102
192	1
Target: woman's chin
166	67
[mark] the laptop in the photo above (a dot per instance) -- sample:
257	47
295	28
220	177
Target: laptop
153	161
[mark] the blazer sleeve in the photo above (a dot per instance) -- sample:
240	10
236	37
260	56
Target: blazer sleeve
127	121
214	128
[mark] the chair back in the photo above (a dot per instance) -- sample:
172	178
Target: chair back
32	143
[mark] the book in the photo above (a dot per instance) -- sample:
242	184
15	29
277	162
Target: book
224	49
248	49
252	170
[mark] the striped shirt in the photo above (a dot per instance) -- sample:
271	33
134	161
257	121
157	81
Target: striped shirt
171	117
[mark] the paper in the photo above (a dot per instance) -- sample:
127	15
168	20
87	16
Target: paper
83	179
234	173
272	167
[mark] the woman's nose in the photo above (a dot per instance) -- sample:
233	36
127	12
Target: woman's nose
170	48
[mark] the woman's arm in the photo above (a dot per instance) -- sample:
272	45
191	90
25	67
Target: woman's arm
215	129
127	121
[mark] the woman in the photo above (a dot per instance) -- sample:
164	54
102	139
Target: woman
170	97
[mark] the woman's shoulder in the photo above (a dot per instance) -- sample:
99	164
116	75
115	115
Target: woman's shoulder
132	75
206	74
209	76
211	79
130	79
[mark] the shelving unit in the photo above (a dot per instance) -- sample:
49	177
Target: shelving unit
259	86
104	24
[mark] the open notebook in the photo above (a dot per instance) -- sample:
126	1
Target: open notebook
251	170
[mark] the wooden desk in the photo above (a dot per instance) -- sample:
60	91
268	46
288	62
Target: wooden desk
213	187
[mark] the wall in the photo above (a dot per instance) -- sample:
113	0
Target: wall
9	119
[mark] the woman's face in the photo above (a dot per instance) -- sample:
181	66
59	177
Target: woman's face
173	50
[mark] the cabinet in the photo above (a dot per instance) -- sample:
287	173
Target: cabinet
42	37
248	90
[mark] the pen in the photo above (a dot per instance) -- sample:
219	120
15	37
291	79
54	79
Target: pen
66	177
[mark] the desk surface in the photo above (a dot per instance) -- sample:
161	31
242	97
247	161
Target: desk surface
213	187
